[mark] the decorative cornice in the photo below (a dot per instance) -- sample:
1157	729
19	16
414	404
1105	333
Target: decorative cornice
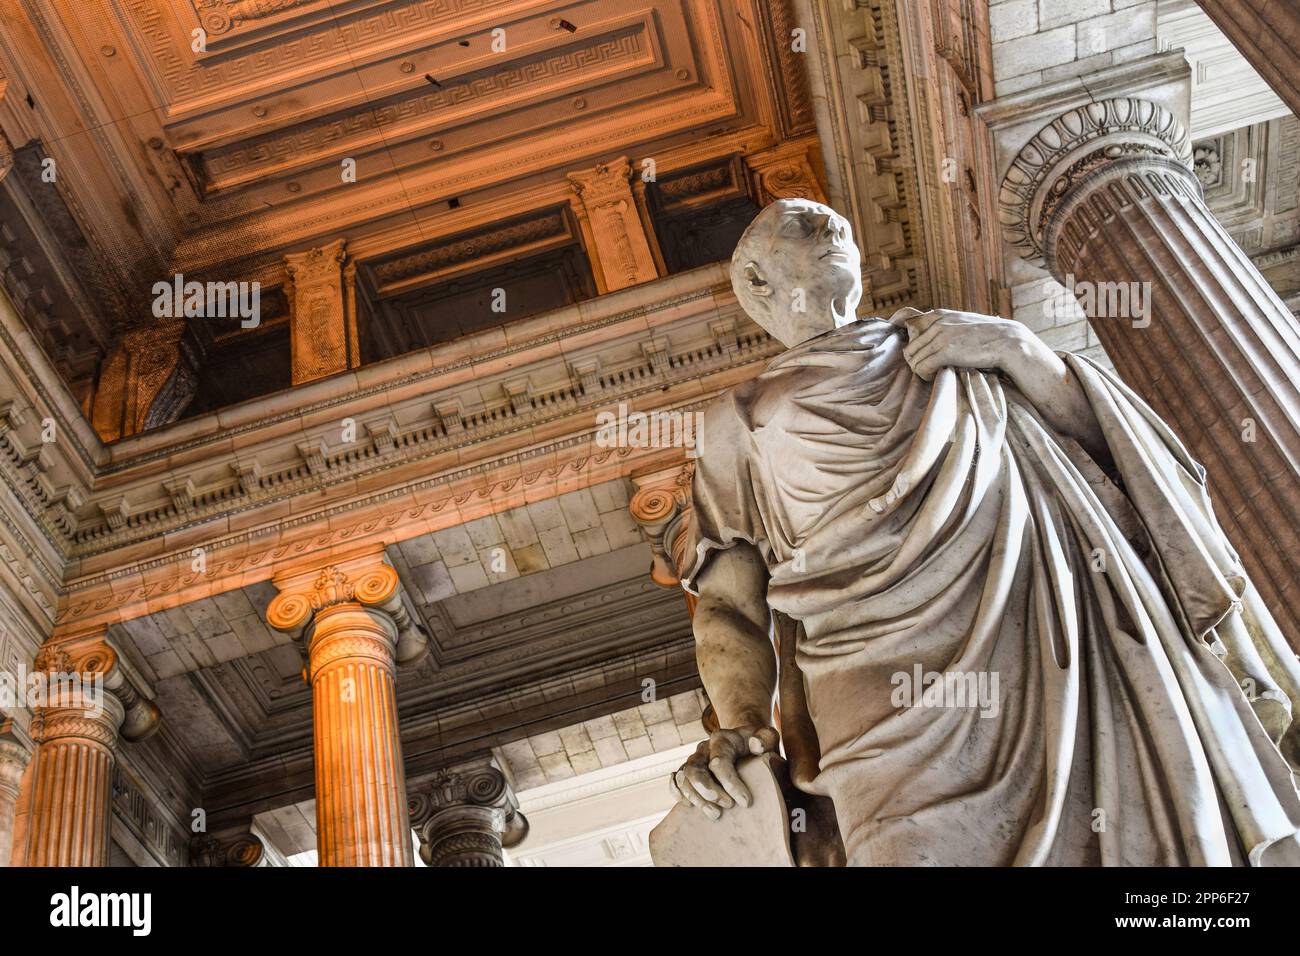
325	468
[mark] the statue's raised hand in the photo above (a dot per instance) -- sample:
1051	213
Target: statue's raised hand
708	779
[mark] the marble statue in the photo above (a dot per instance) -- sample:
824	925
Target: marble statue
986	586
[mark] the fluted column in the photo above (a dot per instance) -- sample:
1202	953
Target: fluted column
1105	197
14	756
89	703
466	815
352	617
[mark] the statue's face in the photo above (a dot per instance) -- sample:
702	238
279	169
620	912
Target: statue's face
799	258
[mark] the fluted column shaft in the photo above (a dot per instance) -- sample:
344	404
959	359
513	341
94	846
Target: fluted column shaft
1104	196
72	787
361	815
355	625
1219	359
14	756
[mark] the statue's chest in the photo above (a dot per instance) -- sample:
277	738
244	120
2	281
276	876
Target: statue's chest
828	436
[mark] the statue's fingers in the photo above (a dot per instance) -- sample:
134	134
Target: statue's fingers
694	799
928	367
675	790
725	772
922	341
764	741
707	786
921	322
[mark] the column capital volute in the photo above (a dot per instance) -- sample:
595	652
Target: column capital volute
239	847
661	508
366	581
89	673
475	789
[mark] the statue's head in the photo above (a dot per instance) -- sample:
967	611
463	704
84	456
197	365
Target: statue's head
796	270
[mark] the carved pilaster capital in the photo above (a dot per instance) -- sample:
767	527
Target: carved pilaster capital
785	172
607	182
90	691
366	582
315	266
1078	151
661	508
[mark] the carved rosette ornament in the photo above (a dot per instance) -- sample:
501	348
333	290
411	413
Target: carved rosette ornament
89	702
352	616
1106	197
466	815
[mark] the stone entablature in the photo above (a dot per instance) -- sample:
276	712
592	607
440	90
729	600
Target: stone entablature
440	436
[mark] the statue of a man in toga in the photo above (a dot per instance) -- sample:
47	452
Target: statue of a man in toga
1009	628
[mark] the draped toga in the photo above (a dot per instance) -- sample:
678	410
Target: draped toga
1145	694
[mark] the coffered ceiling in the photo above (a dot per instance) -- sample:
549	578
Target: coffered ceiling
225	132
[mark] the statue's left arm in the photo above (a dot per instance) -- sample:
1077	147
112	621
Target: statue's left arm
943	338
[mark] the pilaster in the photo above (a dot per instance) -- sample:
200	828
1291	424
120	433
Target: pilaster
322	323
614	229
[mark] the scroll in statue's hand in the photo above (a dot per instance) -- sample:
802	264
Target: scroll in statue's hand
708	779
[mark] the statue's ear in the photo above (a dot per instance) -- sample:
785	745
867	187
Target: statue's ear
754	279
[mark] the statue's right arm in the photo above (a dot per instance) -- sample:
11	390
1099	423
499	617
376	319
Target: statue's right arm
738	667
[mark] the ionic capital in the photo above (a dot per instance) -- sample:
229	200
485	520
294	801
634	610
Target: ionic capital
661	507
91	692
365	584
240	848
466	814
